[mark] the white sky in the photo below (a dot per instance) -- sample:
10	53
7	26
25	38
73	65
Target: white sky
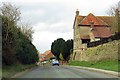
52	19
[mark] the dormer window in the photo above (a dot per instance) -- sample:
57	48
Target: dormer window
91	22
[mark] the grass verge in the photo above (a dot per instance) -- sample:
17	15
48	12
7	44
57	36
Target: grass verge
106	65
9	71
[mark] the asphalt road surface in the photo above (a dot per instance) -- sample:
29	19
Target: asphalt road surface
62	72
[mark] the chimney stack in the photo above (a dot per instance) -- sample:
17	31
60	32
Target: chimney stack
77	12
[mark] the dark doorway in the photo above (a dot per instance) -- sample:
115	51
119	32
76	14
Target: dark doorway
85	40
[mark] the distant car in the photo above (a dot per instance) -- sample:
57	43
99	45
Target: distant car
55	62
44	62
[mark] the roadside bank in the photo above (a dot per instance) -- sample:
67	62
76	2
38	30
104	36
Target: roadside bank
10	71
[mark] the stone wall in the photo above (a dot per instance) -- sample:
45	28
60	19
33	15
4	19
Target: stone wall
107	51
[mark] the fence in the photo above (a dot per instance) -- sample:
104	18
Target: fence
105	40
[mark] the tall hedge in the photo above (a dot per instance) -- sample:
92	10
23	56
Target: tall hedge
17	44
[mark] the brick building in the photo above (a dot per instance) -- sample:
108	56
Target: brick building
45	56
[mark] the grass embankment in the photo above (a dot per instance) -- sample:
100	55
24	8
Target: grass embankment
106	65
9	71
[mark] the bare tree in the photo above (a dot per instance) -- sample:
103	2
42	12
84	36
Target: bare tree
27	31
10	11
114	11
119	16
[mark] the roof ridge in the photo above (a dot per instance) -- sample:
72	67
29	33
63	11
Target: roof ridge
97	20
105	16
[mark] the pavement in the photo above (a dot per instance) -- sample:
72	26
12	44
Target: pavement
99	70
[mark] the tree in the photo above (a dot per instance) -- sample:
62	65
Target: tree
27	31
61	48
8	41
9	33
17	45
10	11
27	54
26	51
115	21
67	49
57	47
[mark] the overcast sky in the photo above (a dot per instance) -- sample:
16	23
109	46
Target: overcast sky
52	19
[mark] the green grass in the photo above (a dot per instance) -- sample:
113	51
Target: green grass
8	71
107	65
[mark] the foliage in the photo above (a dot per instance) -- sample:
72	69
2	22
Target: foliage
27	54
69	47
27	31
57	47
8	41
17	45
61	56
61	48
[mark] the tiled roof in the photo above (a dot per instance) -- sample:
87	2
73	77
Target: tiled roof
101	24
101	32
107	19
80	18
95	20
45	56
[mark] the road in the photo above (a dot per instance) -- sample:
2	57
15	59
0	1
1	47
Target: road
62	72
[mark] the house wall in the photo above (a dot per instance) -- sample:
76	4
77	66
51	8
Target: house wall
78	46
81	31
76	37
76	40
